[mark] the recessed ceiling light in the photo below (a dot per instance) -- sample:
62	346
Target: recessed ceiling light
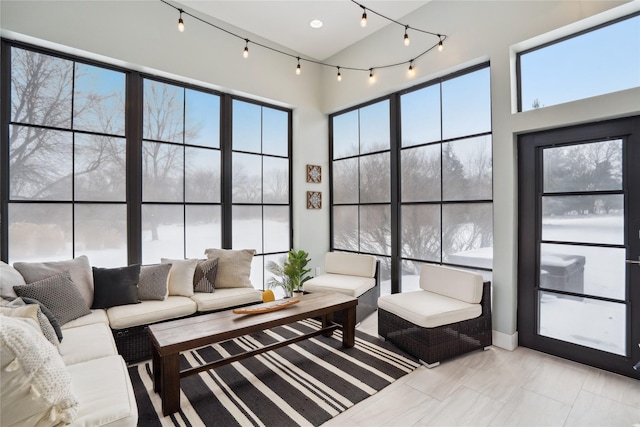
316	23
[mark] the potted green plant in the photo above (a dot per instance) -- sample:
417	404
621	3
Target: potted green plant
291	273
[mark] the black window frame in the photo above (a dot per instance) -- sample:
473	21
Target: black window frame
396	149
134	103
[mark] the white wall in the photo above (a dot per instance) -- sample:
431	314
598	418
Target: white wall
478	31
142	35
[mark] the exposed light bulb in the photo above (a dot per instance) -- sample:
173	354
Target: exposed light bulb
440	46
245	53
298	70
407	41
363	21
372	78
180	23
339	76
411	70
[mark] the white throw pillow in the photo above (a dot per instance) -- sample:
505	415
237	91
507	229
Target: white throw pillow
181	276
35	385
9	277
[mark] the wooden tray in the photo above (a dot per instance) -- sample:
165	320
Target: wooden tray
265	308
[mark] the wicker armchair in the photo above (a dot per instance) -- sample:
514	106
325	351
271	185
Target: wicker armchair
411	322
351	274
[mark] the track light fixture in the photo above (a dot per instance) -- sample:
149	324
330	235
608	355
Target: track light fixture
180	22
363	22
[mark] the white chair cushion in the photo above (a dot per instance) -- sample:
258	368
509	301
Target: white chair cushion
428	309
74	348
126	316
350	264
349	285
459	284
105	393
226	297
98	315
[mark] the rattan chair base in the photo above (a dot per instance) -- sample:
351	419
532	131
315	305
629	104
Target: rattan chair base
432	345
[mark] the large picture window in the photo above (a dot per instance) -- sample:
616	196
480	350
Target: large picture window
446	209
442	176
260	189
67	162
179	180
181	163
361	184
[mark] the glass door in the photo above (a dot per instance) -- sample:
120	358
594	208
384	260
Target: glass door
579	268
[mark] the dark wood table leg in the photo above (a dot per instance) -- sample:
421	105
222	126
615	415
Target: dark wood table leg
327	320
170	383
349	327
156	369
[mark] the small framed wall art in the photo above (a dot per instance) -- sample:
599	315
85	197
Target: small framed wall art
314	173
314	200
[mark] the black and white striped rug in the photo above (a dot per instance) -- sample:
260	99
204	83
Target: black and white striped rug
306	383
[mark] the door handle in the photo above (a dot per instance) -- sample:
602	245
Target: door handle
631	261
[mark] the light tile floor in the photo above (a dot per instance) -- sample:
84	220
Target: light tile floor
497	387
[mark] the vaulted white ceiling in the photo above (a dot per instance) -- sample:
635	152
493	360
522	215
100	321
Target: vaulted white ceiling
286	22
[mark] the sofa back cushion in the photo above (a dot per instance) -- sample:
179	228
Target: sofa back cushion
450	282
350	264
78	268
234	267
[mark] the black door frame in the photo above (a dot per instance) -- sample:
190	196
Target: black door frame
529	237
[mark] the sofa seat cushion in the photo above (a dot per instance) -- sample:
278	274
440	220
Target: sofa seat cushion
226	298
350	264
349	285
74	348
428	309
97	315
105	393
126	316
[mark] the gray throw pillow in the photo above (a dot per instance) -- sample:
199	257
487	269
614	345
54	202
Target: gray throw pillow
152	284
204	277
59	294
79	270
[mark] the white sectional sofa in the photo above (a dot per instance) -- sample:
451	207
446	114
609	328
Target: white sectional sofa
100	384
97	346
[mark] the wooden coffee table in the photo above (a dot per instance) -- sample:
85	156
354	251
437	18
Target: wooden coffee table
173	337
